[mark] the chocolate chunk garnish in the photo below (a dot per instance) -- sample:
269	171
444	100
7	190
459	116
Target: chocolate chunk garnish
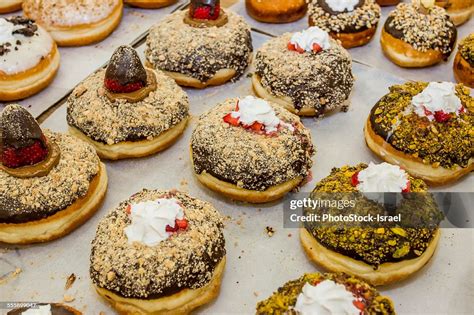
325	6
29	28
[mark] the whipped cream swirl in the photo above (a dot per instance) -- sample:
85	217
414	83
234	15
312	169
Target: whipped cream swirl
307	38
6	31
41	310
382	177
436	97
342	5
252	109
326	298
150	218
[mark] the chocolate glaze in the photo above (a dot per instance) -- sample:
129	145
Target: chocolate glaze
18	129
56	309
126	67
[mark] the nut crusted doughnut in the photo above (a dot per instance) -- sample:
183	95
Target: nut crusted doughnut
41	209
354	28
30	59
379	254
123	130
247	166
399	136
410	39
174	276
197	56
305	84
75	23
276	11
7	6
460	11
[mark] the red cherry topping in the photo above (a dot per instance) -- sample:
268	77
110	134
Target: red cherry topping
256	126
30	155
234	121
295	47
355	179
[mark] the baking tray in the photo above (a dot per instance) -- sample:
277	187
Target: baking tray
256	263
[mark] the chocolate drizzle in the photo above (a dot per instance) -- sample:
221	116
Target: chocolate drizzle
18	128
126	67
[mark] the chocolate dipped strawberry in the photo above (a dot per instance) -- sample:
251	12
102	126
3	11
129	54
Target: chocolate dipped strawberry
22	141
125	72
205	9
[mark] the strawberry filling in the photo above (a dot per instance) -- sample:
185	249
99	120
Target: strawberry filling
205	13
35	153
115	87
441	116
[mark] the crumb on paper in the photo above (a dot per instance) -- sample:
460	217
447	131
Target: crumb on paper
10	275
270	231
68	298
255	293
290	235
70	281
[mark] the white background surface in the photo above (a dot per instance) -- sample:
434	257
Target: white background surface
256	264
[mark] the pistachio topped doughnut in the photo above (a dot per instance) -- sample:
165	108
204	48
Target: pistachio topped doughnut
307	72
205	46
426	128
464	61
159	252
353	22
377	251
29	58
329	293
50	183
126	110
251	150
75	23
418	36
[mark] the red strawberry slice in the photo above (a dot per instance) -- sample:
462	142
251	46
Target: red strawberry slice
182	224
359	304
355	179
407	188
171	229
256	126
204	13
115	87
295	47
317	48
31	155
441	116
234	121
